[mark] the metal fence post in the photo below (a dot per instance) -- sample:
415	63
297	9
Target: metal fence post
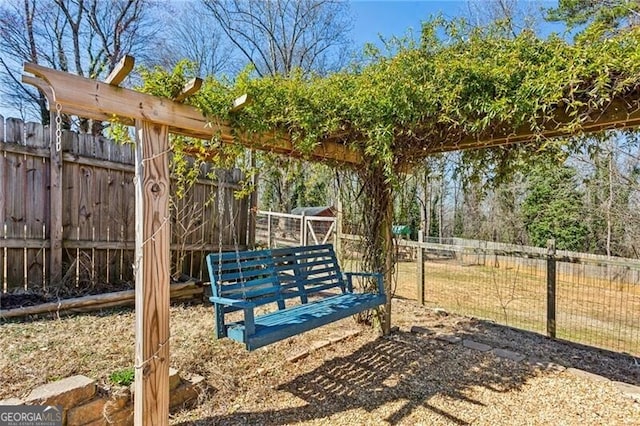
551	288
269	228
420	269
303	230
338	230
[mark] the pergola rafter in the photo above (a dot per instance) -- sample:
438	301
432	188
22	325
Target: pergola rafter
154	118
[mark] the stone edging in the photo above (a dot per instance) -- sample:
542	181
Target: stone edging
84	403
628	390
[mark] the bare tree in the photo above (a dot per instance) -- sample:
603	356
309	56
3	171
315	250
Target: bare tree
198	38
279	36
516	15
87	37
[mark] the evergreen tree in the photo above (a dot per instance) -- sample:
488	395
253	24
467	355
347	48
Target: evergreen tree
553	208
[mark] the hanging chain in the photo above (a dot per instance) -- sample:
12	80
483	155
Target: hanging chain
220	224
235	241
58	127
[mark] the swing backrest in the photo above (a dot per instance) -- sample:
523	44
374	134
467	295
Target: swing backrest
308	270
247	275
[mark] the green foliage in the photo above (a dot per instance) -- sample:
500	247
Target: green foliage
122	377
458	84
407	210
553	208
608	13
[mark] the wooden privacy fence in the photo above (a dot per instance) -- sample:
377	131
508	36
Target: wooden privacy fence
94	186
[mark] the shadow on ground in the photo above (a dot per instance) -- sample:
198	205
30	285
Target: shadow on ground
614	366
404	369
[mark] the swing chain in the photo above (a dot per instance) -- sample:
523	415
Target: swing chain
220	224
58	127
235	241
232	226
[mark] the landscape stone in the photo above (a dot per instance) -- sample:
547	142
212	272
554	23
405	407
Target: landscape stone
477	346
123	417
187	392
629	390
174	378
507	354
11	401
68	392
416	329
91	411
544	363
297	356
587	375
440	312
449	338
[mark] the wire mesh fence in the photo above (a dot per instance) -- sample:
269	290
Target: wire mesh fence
598	303
578	297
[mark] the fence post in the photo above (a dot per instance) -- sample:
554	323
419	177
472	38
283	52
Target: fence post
551	288
303	230
420	271
269	229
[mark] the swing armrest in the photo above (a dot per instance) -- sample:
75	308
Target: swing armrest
236	303
378	276
247	307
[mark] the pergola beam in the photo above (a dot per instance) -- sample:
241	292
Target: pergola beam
617	115
240	102
101	101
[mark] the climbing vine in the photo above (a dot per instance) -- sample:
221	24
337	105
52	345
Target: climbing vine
457	82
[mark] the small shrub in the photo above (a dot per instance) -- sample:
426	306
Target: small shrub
123	377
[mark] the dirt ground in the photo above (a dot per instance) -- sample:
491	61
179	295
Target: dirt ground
405	378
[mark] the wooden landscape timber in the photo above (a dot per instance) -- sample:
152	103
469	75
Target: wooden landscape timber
96	302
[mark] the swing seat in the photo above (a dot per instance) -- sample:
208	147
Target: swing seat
305	284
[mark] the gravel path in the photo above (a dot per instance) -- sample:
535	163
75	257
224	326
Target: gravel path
407	378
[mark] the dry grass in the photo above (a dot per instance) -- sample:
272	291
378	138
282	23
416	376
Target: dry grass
589	310
404	378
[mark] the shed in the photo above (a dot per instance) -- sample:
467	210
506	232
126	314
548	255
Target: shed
324	211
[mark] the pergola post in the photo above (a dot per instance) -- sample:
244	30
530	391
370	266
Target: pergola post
152	266
55	200
386	229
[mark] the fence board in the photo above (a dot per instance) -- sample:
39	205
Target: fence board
16	215
14	129
35	135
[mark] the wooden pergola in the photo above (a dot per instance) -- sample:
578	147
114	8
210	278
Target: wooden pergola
154	118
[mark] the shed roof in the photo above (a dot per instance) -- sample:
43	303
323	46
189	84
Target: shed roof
313	211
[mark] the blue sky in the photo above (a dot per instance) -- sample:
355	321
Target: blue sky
390	18
394	17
